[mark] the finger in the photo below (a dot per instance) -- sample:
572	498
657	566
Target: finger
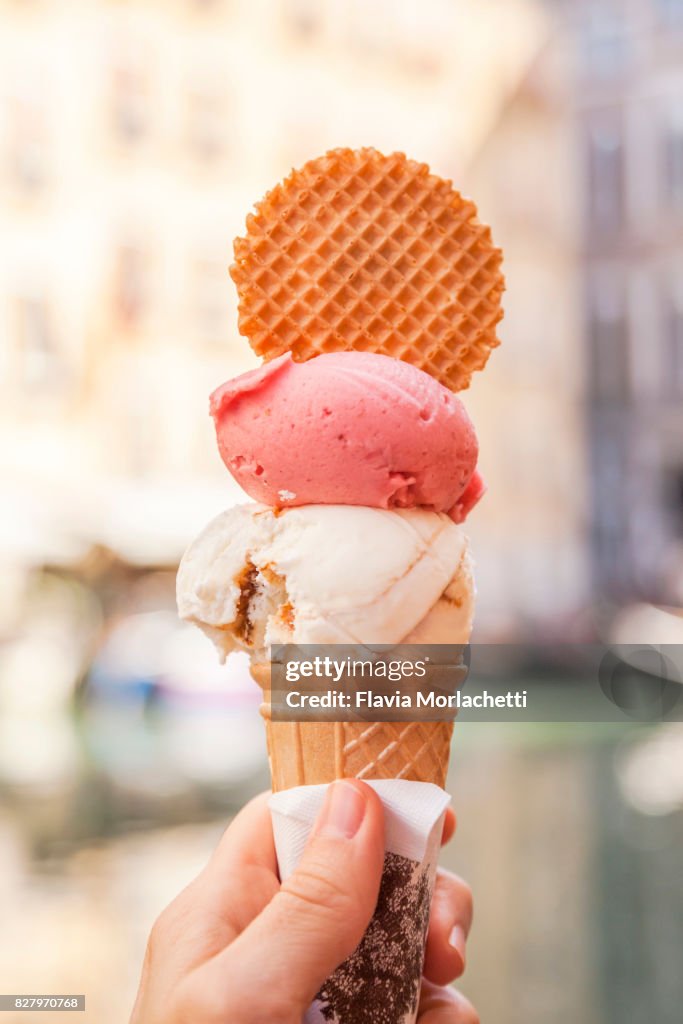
248	839
449	826
449	924
246	852
320	913
444	1006
213	909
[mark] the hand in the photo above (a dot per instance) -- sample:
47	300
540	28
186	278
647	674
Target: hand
237	946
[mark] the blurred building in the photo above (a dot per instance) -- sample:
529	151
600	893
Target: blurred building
136	137
582	175
530	539
630	127
137	134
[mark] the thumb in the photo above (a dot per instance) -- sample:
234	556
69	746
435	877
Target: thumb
318	917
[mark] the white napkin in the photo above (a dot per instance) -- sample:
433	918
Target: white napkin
414	813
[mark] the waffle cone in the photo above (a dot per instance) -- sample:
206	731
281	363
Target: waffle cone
357	250
307	753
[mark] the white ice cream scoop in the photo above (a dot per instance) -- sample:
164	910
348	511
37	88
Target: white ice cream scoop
324	574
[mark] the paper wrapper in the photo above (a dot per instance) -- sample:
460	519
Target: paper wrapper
380	982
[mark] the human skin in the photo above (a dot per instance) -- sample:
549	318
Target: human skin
238	946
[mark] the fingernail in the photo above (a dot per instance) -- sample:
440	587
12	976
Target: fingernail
457	940
342	812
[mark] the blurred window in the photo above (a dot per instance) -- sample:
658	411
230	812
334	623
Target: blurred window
419	36
303	18
609	524
39	361
26	142
678	500
371	28
129	95
609	338
210	299
207	121
130	288
604	41
671	12
672	364
605	172
673	163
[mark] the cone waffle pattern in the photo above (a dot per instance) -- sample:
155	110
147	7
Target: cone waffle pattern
397	750
361	251
309	753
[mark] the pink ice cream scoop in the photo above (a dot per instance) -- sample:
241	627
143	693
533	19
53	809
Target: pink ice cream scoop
348	428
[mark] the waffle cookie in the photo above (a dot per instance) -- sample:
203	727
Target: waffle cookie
363	251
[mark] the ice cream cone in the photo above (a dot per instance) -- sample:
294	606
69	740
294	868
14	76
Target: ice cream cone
356	253
309	753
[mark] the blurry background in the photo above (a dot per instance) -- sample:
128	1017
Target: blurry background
134	137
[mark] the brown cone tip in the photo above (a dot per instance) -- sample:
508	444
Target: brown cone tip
362	251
